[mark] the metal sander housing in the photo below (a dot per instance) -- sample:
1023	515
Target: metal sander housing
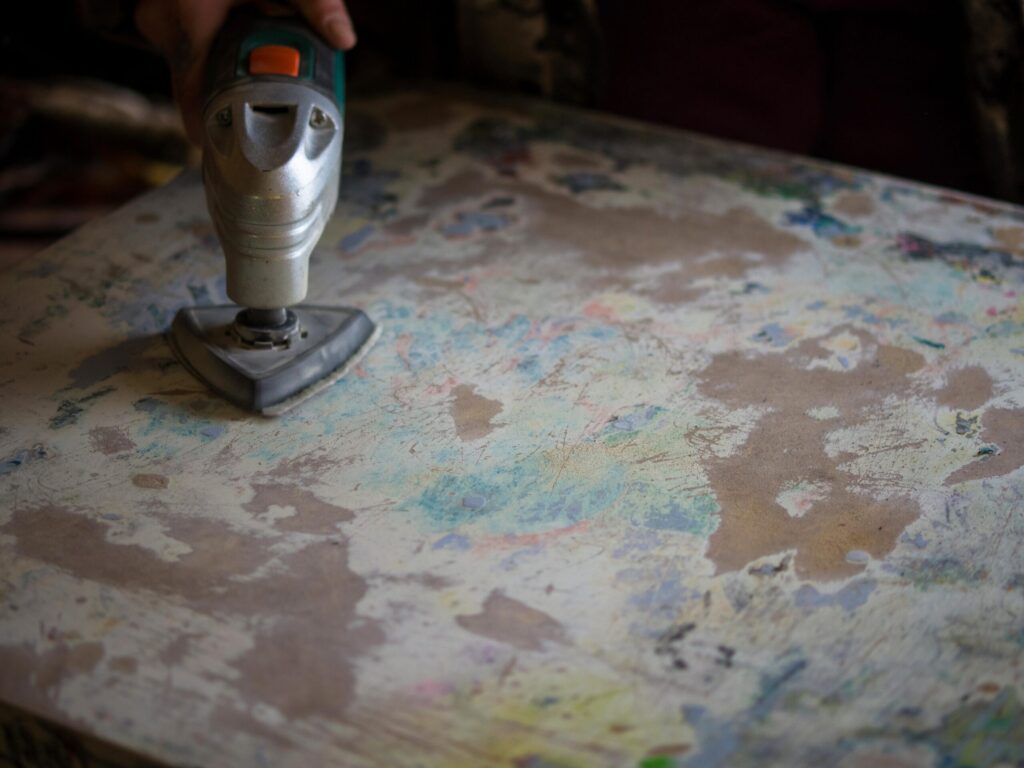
273	128
271	167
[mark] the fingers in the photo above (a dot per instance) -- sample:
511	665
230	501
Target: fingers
183	31
330	18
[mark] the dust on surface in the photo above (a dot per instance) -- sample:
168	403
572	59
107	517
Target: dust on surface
1005	428
110	440
787	446
473	414
509	621
966	388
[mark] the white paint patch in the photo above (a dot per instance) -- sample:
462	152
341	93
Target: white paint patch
798	498
275	512
824	413
845	353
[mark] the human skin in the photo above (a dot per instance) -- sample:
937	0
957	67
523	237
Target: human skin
183	30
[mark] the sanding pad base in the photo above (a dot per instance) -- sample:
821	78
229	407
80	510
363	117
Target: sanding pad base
271	380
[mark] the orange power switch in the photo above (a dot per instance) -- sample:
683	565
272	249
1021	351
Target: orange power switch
274	60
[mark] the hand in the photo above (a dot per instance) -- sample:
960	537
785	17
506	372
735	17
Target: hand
183	31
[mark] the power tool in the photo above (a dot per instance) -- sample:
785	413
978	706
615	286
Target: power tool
273	126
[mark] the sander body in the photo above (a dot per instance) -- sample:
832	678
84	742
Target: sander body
273	128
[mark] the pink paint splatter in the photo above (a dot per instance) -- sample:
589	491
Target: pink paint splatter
443	389
514	541
598	310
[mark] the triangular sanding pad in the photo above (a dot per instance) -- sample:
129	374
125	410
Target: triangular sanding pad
271	380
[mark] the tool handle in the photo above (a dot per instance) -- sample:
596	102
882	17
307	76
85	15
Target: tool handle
254	47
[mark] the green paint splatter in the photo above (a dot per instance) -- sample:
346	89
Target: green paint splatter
657	761
929	342
982	734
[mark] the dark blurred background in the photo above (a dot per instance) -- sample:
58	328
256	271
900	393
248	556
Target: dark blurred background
926	89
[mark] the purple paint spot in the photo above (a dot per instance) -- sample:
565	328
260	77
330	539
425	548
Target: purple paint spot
631	422
849	598
452	541
351	242
213	431
474	501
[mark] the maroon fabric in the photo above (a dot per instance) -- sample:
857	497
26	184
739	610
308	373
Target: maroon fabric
743	69
874	83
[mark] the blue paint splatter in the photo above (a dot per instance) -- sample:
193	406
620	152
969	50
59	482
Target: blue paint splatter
849	598
696	515
364	190
587	181
918	540
663	598
636	540
855	312
771	688
511	562
773	334
104	364
719	739
352	241
822	224
520	498
632	422
20	458
452	541
166	418
469	222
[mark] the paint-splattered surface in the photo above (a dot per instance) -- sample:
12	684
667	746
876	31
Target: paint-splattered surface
672	453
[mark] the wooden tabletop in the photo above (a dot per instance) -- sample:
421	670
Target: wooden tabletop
672	453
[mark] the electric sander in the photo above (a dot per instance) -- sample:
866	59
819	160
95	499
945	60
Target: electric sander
273	127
